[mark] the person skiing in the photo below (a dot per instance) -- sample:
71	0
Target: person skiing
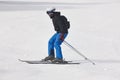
61	26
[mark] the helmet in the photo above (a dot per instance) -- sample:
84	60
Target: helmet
51	10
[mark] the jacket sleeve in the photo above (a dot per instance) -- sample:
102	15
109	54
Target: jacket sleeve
61	25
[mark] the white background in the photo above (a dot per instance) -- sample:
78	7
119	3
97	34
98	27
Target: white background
26	28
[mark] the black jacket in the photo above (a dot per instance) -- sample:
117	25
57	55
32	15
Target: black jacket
58	23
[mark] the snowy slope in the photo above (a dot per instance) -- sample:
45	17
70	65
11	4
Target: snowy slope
94	32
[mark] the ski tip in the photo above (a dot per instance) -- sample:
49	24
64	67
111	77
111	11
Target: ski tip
20	60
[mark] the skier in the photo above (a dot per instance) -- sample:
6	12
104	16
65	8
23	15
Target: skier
61	26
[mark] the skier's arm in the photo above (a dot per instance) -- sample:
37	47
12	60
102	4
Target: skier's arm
61	25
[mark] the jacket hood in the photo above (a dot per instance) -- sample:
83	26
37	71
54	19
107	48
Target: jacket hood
57	13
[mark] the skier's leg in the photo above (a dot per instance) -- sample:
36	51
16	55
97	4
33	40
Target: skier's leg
57	44
51	45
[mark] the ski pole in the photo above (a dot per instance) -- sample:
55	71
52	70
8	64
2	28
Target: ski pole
74	49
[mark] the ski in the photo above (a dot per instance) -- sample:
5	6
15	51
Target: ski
45	62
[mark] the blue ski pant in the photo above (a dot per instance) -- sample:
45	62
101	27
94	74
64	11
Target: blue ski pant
55	42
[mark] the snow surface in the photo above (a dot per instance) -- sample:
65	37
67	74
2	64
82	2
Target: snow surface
95	32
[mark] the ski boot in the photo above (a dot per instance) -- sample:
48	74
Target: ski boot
59	61
48	58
